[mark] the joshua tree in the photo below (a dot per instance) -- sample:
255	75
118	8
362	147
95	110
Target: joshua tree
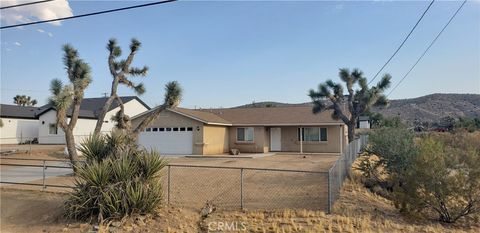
121	71
357	101
66	98
173	96
23	100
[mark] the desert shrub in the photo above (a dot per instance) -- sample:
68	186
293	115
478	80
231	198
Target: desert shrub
466	123
437	173
117	179
387	158
444	179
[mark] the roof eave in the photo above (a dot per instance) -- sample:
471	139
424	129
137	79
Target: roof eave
292	124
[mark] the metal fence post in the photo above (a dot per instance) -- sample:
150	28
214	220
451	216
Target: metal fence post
168	185
43	180
241	188
329	197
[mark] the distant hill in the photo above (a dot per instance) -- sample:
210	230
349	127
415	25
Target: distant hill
433	107
428	108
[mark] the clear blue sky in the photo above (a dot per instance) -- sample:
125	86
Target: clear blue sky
232	53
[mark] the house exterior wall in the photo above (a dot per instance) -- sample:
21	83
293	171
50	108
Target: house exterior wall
335	137
17	130
215	139
170	119
83	129
260	142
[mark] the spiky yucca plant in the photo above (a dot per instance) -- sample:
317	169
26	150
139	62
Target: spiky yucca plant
117	179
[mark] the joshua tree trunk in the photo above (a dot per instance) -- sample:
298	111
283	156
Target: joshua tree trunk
106	107
72	151
351	130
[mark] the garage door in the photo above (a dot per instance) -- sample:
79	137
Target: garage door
168	141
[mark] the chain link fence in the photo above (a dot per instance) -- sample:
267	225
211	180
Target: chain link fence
256	188
341	169
235	187
245	188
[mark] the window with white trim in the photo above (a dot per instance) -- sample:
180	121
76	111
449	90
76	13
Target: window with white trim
312	134
245	134
52	129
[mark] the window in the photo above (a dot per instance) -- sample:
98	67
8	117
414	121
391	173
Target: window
52	129
182	129
154	129
313	134
245	134
168	129
161	129
148	129
175	129
189	129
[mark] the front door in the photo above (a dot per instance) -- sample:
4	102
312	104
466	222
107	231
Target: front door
275	139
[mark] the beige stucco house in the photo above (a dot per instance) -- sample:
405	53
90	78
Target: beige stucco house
250	130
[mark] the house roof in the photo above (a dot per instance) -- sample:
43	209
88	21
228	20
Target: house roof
274	116
291	115
204	116
90	108
15	111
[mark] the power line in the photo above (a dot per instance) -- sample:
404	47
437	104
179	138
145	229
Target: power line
88	14
403	42
429	46
25	4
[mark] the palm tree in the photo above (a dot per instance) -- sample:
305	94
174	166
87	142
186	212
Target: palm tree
23	100
70	97
121	71
357	101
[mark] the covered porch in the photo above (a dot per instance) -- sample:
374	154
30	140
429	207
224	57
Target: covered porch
321	138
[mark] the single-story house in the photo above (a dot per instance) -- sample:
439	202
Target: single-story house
25	123
20	124
250	130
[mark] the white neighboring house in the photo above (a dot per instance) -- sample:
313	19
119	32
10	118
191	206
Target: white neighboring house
49	133
20	124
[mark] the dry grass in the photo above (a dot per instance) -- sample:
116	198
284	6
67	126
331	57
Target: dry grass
357	210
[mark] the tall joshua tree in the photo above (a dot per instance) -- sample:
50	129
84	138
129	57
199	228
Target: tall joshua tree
121	72
356	102
66	98
23	100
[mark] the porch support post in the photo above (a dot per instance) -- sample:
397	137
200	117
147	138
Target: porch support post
301	140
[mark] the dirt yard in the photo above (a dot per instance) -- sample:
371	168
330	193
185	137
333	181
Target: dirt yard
309	162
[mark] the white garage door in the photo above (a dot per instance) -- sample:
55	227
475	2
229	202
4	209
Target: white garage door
168	141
